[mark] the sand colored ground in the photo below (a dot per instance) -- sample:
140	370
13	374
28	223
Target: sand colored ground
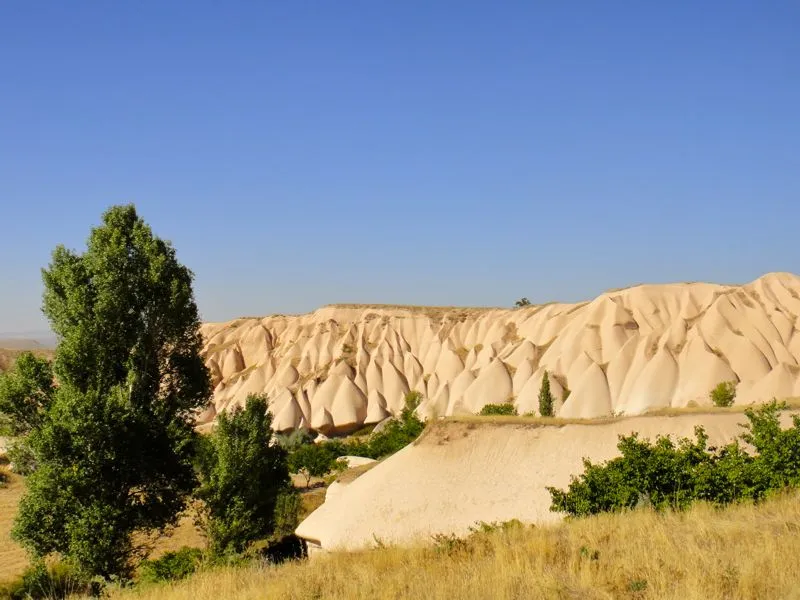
459	473
626	352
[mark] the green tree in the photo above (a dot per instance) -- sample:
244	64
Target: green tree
114	447
26	392
545	397
242	479
312	460
723	394
522	302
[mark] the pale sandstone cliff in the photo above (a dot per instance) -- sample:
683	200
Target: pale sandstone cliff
626	352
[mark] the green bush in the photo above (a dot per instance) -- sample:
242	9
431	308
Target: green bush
56	582
171	566
499	409
723	394
295	439
665	474
287	512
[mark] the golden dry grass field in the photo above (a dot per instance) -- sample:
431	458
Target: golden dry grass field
746	552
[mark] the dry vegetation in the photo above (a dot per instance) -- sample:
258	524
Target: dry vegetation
741	552
13	559
9	355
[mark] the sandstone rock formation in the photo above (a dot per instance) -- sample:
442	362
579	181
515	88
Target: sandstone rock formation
625	352
460	473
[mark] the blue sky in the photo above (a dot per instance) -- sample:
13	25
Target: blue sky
436	152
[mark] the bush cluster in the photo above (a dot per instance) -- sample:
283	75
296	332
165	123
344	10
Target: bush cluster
664	474
171	566
505	408
320	459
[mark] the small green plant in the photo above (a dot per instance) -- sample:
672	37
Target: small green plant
449	544
522	302
171	566
505	408
723	394
545	397
637	585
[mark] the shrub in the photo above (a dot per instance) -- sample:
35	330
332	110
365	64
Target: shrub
293	440
171	566
499	409
287	512
665	474
522	302
723	394
55	582
21	458
545	397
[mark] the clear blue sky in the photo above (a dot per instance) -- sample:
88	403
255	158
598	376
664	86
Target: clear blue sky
432	152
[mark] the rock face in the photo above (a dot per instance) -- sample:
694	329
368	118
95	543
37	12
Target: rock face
625	352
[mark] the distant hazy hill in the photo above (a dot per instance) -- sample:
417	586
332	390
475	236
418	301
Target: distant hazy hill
29	340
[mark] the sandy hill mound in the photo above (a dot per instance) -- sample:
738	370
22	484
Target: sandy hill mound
625	352
460	473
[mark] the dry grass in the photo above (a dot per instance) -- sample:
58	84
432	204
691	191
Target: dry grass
13	558
742	552
8	356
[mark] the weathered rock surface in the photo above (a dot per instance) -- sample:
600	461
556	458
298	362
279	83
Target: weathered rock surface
625	352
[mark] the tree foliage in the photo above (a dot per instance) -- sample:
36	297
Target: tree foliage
242	479
313	460
723	394
113	448
545	397
666	474
26	392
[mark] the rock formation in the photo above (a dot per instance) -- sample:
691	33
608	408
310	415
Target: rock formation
625	352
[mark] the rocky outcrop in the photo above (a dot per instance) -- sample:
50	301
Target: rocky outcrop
625	352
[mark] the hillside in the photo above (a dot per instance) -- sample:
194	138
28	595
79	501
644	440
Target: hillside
484	469
625	352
